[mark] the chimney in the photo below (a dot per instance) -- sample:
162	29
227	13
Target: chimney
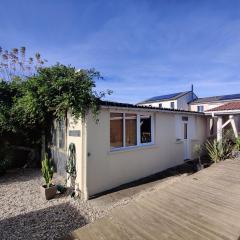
192	92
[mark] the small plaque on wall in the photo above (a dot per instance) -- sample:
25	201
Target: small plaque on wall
74	133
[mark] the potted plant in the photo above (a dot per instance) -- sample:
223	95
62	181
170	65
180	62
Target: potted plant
236	152
198	151
48	190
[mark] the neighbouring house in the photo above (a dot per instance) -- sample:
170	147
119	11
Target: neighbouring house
222	112
204	104
178	100
129	142
217	121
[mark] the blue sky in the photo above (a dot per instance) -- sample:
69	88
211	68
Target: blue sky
143	48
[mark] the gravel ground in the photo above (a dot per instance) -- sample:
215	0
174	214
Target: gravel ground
24	214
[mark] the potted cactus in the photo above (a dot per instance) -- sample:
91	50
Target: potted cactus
48	190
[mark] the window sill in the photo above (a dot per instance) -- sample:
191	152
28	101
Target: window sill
133	148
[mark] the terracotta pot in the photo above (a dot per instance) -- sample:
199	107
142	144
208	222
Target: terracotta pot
48	192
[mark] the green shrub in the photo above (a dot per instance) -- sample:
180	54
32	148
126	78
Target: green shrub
237	144
219	150
47	170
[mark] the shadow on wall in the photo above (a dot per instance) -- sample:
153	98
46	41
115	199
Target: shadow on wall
135	186
48	223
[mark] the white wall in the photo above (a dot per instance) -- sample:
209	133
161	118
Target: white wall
182	102
107	169
165	104
206	106
79	142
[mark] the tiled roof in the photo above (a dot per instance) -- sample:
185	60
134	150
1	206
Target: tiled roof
218	98
172	96
226	107
128	105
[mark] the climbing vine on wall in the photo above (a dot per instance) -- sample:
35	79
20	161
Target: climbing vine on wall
71	161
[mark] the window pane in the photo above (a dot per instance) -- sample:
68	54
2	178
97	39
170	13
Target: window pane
145	125
185	131
200	108
172	105
131	129
116	130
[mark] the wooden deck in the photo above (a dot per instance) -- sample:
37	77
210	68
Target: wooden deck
205	205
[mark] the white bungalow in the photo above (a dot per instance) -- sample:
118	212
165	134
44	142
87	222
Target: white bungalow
134	141
128	143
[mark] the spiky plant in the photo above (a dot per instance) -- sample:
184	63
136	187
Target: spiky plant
219	150
47	170
215	150
237	144
198	148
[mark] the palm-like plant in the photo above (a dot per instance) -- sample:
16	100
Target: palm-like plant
219	150
237	144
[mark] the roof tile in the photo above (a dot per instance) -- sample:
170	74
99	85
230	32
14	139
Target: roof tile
225	107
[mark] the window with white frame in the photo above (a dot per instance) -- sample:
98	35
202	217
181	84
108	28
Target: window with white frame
130	129
116	130
160	105
145	128
172	105
200	108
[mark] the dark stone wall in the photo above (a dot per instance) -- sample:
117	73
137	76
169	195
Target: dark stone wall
60	159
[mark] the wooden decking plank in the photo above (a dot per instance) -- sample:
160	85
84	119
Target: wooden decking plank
193	216
158	226
206	198
186	220
205	205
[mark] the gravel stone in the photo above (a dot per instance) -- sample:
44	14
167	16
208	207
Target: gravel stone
25	214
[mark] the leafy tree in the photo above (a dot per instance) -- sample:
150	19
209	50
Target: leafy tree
54	91
29	103
32	95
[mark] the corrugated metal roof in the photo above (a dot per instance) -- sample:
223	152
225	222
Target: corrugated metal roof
128	105
226	107
218	98
171	96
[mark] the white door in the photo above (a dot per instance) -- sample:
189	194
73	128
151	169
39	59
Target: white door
186	140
